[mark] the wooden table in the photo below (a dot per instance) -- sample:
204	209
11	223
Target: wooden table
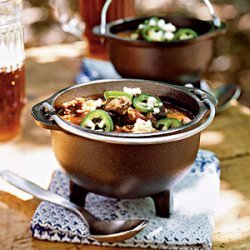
52	68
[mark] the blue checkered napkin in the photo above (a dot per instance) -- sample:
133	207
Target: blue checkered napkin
92	69
189	227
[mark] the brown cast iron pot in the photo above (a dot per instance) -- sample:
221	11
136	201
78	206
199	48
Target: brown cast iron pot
125	165
177	62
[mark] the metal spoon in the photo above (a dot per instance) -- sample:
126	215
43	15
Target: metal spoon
225	94
100	230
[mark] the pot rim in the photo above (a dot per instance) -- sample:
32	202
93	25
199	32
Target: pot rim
214	31
204	101
197	119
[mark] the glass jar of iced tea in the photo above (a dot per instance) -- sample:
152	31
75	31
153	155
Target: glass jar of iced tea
12	75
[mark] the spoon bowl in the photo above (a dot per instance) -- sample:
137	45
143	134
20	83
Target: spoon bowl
100	230
225	94
115	233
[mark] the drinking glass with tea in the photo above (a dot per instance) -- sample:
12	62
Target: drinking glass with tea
12	74
90	16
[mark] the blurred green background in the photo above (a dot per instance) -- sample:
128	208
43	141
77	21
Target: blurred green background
232	51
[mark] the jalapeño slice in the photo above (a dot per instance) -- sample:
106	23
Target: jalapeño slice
141	103
115	94
184	34
98	120
166	123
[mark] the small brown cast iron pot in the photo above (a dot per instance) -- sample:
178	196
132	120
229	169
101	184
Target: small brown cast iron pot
176	62
126	165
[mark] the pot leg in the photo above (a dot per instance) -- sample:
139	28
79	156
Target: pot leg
163	203
77	194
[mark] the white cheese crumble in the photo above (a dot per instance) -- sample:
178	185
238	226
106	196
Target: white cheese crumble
152	22
156	110
151	102
141	26
132	91
101	124
98	102
161	23
169	27
90	124
142	126
91	105
169	36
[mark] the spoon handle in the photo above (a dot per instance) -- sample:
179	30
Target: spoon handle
38	191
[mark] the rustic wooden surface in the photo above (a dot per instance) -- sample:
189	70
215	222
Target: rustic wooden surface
52	68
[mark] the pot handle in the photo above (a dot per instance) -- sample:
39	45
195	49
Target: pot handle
216	19
104	17
42	112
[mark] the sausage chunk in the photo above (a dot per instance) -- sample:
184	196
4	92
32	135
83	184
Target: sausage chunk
118	105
